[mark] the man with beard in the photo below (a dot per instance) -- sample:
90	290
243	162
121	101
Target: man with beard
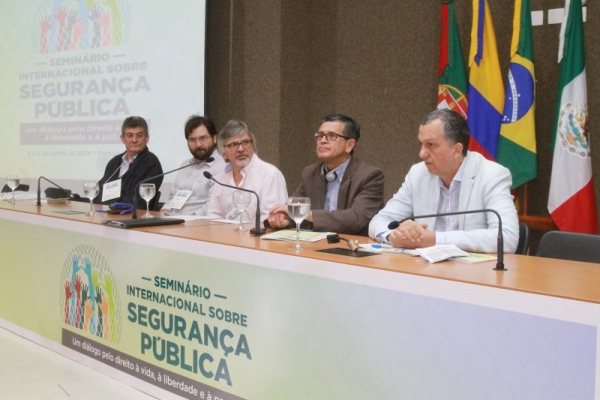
191	191
237	145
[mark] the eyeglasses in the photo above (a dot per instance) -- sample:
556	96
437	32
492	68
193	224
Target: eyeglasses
331	137
234	145
202	139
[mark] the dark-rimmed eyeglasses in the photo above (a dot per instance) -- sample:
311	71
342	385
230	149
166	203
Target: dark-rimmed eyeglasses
201	139
331	137
234	145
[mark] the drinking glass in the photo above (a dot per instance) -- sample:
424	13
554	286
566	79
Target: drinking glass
241	201
12	181
147	192
90	190
298	209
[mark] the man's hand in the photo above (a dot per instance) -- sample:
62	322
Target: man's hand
278	216
411	235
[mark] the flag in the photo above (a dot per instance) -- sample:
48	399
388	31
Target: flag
452	74
486	90
572	202
517	143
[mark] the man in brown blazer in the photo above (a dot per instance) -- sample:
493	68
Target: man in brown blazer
345	193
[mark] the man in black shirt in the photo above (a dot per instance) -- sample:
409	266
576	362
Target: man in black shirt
128	169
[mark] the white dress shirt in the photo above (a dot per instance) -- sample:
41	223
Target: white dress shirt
263	178
192	178
484	185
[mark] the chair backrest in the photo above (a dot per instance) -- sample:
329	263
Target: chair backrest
523	245
22	187
570	246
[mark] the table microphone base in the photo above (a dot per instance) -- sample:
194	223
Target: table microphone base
261	231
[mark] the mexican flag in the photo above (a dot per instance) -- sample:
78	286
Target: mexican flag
572	202
452	74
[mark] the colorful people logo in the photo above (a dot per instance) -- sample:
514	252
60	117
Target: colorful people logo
89	297
65	25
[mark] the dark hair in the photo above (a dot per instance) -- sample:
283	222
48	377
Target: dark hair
456	128
196	121
134	122
351	127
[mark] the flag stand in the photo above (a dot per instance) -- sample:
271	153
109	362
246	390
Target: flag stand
537	222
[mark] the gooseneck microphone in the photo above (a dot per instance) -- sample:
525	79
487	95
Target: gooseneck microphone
257	230
137	186
500	253
39	192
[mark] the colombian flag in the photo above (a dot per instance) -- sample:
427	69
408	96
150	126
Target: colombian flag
486	90
517	144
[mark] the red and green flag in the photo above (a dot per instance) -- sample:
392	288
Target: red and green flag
572	201
452	74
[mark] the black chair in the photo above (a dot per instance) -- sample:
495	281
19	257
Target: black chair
523	245
570	246
21	187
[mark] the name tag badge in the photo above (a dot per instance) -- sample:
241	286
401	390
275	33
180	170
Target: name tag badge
111	190
180	198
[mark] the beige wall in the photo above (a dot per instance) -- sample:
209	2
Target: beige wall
281	65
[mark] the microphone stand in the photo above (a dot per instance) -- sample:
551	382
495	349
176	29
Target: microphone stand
257	230
137	186
39	192
500	252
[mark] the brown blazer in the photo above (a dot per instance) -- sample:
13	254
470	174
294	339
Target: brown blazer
360	198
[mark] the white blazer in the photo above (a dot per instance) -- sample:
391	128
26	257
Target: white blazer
485	184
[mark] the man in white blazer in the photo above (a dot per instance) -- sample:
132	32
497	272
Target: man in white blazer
450	179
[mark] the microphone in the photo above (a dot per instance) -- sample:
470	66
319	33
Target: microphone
335	238
137	187
39	192
257	230
500	253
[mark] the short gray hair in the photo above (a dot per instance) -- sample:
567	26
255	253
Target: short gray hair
233	129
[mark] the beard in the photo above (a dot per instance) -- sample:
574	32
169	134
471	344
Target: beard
202	153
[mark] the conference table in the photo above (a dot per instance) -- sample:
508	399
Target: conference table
200	311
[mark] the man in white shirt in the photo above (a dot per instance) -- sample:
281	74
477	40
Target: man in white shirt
450	179
237	145
191	191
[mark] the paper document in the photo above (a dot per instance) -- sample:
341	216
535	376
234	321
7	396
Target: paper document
385	248
441	252
474	258
289	234
20	195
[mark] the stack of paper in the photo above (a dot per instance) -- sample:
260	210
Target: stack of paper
385	248
289	234
441	252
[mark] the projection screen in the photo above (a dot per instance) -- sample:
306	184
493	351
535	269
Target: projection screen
73	70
